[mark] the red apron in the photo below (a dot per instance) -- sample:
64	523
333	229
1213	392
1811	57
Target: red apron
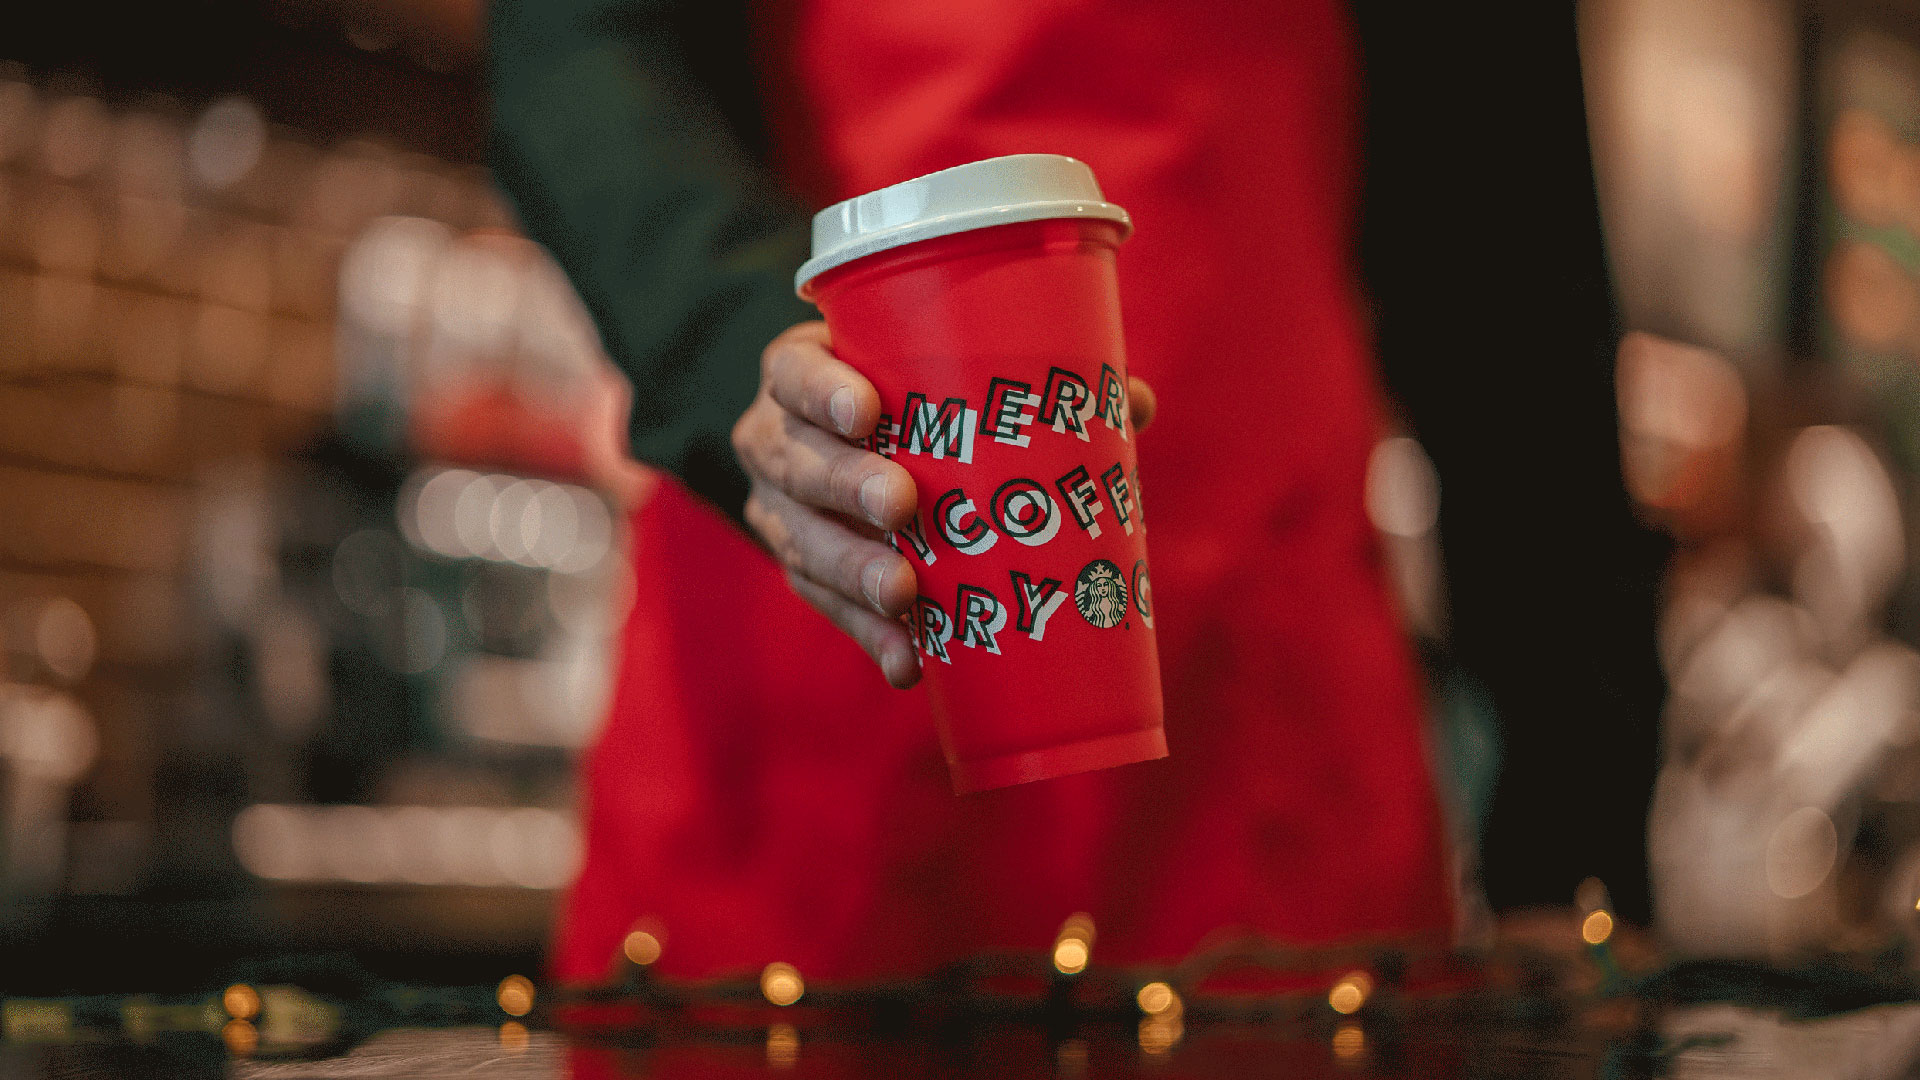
759	794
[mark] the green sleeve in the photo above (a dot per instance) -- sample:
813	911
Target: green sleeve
609	137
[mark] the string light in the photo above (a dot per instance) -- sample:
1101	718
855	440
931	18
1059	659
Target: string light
641	948
1349	1041
783	1046
1158	1034
1156	998
781	983
241	1037
983	995
1070	956
1597	927
241	1001
514	1036
515	995
1350	992
1073	946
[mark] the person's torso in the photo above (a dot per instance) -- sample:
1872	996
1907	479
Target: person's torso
760	787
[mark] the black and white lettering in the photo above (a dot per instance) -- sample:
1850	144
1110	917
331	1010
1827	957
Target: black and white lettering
1113	399
936	629
944	431
952	513
1120	494
1008	410
916	535
1066	403
885	438
1143	592
1082	498
1035	604
1023	510
981	615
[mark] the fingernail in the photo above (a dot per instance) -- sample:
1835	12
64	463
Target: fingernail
873	498
871	579
840	407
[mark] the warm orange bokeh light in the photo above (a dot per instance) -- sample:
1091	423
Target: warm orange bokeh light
641	948
781	983
241	1001
240	1036
1597	928
1350	992
516	995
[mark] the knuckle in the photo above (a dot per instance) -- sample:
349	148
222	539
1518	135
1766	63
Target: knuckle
770	357
750	432
757	517
777	465
849	563
788	548
785	366
791	555
742	435
845	473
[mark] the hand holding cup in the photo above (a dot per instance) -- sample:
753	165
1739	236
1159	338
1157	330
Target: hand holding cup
822	504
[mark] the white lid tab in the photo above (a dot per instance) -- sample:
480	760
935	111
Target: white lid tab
980	194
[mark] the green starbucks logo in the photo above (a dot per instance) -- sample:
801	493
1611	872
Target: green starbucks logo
1100	592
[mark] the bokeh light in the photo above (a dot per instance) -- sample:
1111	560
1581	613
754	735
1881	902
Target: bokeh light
1070	956
1350	992
641	947
783	1046
1073	945
780	983
1403	490
241	1037
515	995
226	142
1597	927
64	638
1156	998
241	1001
1159	1034
1349	1041
519	847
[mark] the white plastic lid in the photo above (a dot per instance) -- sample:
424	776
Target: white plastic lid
997	191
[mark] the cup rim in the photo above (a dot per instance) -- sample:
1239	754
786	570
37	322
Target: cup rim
971	196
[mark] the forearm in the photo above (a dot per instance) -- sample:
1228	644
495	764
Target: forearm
618	160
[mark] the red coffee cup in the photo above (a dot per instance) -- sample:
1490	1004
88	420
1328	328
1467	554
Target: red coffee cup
981	302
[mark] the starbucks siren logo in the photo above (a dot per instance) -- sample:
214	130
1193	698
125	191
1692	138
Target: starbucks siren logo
1101	594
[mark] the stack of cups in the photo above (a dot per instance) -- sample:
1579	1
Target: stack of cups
981	302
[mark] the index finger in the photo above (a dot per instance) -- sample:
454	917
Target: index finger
803	376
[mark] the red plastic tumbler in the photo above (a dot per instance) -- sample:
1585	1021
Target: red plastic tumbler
982	304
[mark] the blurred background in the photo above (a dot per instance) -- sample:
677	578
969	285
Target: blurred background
306	595
304	603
